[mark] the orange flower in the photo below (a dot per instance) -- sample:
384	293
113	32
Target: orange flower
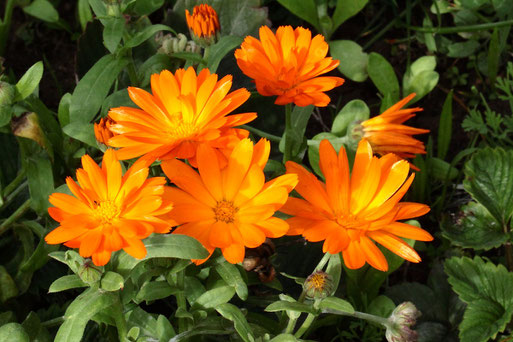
288	65
184	111
229	208
102	130
108	211
349	212
386	134
203	23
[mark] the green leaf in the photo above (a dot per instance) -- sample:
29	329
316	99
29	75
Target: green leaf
475	228
283	305
84	13
440	169
143	320
231	275
13	332
36	332
296	135
463	49
5	114
146	7
92	89
284	338
383	75
65	283
29	81
112	281
334	269
232	313
8	288
42	9
153	65
381	306
336	304
63	111
40	181
165	330
488	291
420	78
148	32
113	32
80	311
353	111
221	49
215	297
489	181
346	9
304	9
472	4
445	129
493	56
81	131
154	290
353	61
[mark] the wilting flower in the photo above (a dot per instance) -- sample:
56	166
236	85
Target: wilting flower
350	212
386	134
229	208
185	111
402	318
27	126
288	65
102	130
203	23
108	211
318	285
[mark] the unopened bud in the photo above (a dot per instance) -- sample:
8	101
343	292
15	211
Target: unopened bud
318	285
89	273
402	318
27	126
203	24
102	130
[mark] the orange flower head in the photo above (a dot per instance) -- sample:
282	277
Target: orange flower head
185	111
102	130
109	211
386	134
203	24
288	65
232	207
351	212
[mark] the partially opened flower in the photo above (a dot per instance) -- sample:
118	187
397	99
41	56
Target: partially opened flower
185	111
386	134
289	65
203	23
229	208
102	130
350	213
109	211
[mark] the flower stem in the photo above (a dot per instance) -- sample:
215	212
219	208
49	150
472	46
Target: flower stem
306	324
5	25
461	28
287	154
132	73
361	315
183	324
17	214
323	262
53	322
14	184
262	134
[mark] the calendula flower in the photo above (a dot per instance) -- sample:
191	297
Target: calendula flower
318	285
401	320
386	134
109	211
232	207
288	65
185	111
203	24
102	130
350	213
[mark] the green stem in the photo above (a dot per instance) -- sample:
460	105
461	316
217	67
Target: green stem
288	128
361	315
14	184
13	194
5	25
290	326
323	262
17	214
262	134
462	28
183	324
132	73
53	322
306	324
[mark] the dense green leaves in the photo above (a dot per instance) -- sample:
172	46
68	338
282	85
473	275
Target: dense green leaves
231	275
488	291
489	181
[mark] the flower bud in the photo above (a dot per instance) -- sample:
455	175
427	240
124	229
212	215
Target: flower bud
203	24
402	318
102	130
27	126
318	285
7	93
89	273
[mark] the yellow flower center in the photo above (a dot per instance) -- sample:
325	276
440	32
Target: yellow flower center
317	281
181	130
106	211
225	211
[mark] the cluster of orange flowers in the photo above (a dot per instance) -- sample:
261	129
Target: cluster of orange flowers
226	202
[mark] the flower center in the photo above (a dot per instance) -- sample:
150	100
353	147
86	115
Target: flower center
225	211
106	211
181	130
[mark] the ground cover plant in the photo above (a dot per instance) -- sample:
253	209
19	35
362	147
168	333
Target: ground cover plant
257	170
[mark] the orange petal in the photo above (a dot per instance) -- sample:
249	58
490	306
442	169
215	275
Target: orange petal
234	253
